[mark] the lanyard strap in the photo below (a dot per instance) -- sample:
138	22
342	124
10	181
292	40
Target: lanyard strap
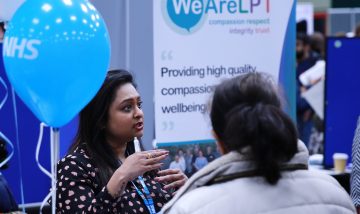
147	197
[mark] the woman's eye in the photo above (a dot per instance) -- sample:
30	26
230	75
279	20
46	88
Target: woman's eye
139	104
127	108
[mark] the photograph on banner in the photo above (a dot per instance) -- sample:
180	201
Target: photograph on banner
190	158
198	43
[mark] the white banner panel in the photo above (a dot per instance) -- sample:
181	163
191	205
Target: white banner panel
199	42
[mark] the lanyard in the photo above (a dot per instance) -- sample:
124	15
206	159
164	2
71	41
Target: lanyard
147	197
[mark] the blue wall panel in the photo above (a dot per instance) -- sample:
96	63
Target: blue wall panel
36	184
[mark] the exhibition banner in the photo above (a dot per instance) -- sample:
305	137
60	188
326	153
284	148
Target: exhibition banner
198	43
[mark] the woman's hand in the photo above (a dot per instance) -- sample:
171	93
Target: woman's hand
173	178
140	162
133	166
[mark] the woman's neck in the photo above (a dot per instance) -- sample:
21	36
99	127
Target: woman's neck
119	148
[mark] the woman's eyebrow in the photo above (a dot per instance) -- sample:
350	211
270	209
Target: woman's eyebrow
130	99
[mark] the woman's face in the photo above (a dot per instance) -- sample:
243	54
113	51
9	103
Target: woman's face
200	153
126	119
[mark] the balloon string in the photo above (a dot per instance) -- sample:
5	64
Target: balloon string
38	146
45	171
6	95
12	149
18	148
1	134
45	200
54	147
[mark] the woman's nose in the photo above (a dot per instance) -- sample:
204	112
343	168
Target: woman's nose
138	112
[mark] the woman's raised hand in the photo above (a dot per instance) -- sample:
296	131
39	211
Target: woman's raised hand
133	166
173	178
141	162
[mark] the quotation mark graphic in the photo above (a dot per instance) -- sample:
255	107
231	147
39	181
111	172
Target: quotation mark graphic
166	55
168	125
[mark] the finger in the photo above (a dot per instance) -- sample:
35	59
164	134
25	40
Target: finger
146	155
156	160
175	184
156	153
152	153
153	166
157	150
169	171
170	178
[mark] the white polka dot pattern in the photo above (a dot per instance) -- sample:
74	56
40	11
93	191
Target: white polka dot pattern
78	189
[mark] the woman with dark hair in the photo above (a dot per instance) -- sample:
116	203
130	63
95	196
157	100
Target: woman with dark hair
102	172
2	31
263	167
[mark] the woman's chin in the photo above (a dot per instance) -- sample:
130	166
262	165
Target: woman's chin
139	134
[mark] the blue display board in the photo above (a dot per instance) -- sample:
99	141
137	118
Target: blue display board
342	97
36	184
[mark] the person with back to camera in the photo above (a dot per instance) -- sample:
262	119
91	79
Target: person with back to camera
263	167
102	172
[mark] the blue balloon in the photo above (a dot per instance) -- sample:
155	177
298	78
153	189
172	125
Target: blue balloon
56	54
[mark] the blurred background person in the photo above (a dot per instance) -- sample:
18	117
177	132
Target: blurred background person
189	162
195	155
210	156
317	44
180	153
200	160
357	30
305	59
175	164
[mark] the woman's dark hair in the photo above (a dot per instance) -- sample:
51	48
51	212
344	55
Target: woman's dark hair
303	37
92	123
2	26
357	30
246	112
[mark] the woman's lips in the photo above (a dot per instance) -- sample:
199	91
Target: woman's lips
139	126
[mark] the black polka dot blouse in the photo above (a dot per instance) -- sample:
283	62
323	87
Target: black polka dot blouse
78	189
